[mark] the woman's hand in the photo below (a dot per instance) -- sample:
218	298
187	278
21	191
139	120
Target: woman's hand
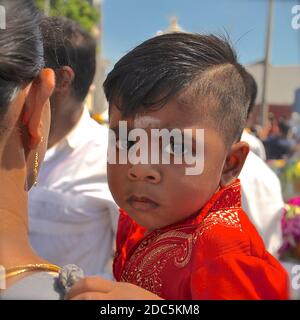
97	288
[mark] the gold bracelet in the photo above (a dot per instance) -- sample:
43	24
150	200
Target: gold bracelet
14	271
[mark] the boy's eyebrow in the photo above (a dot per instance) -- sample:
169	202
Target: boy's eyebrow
116	131
116	128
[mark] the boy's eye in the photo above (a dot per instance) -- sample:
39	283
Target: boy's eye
176	149
124	144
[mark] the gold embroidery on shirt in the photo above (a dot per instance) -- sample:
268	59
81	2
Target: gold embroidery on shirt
175	246
149	259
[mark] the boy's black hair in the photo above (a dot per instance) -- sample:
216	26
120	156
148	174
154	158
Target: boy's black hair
67	44
253	92
199	66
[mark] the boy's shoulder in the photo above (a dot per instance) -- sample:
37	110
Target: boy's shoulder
231	251
228	232
224	228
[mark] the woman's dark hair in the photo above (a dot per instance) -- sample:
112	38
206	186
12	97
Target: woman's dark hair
21	48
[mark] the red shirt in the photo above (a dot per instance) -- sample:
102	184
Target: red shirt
216	254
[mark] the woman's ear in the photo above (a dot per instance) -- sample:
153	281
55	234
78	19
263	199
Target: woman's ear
234	162
38	95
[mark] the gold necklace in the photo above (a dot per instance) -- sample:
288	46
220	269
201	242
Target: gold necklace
15	271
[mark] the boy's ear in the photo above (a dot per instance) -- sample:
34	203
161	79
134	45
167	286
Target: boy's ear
234	162
38	95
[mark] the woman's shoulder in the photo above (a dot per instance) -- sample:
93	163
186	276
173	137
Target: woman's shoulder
44	285
38	286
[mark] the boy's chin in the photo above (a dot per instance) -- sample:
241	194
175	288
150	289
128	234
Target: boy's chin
145	223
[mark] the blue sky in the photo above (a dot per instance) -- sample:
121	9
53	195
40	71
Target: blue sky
127	23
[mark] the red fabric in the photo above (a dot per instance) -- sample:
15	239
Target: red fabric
217	254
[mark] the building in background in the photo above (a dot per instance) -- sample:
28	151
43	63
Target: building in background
173	27
281	92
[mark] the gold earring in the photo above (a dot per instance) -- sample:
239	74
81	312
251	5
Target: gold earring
36	166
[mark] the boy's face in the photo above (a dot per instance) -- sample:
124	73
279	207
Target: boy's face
157	195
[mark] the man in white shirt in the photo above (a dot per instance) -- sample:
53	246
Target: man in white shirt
73	217
261	192
256	146
262	200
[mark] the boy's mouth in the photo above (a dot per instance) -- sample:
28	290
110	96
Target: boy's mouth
142	203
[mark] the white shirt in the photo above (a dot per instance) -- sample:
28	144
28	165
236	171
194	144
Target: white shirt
255	144
73	217
262	200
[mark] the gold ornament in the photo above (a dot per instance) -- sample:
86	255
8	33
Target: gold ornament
36	166
15	271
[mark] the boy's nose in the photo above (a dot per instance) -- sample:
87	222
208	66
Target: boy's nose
144	172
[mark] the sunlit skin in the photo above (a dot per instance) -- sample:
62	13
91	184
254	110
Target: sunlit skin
27	120
159	195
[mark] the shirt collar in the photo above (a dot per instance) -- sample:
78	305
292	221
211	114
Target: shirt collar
78	134
74	138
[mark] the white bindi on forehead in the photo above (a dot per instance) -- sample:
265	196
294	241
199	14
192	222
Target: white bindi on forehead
145	122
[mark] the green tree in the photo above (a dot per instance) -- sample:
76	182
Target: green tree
80	11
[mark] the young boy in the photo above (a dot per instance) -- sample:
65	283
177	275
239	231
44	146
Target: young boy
185	236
